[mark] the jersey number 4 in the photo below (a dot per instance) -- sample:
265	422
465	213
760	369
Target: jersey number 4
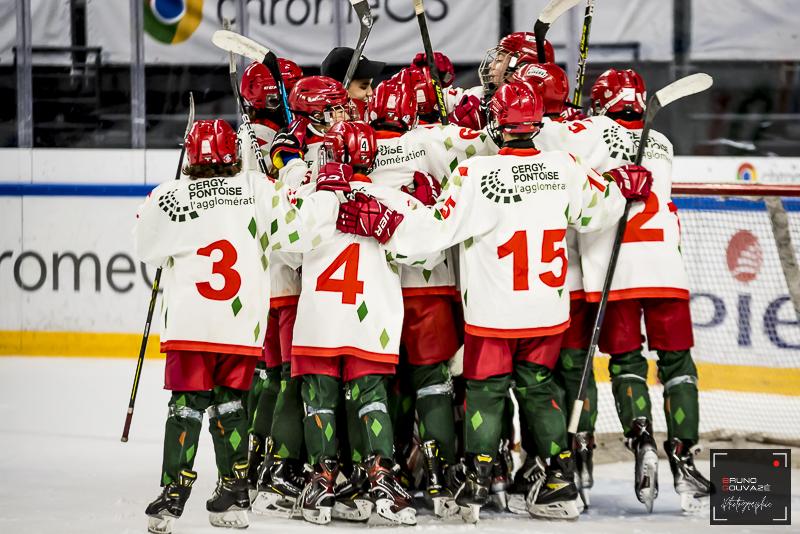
517	247
222	267
349	286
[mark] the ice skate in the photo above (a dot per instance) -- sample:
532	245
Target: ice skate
280	483
256	454
552	493
392	502
501	476
641	442
352	497
318	497
437	492
583	446
163	511
474	490
228	505
693	488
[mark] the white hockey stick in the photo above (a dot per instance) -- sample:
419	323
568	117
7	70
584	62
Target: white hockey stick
365	21
682	88
549	14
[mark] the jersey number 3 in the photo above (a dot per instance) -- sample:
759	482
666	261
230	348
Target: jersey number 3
517	247
223	267
350	285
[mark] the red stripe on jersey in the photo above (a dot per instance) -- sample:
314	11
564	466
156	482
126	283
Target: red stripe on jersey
204	346
641	292
282	302
508	151
578	294
513	333
331	352
449	291
386	134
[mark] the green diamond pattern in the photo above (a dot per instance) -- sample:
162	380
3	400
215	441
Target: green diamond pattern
291	215
273	227
465	297
283	452
615	369
566	362
166	479
468	243
294	236
355	392
298	202
554	448
641	403
356	456
252	226
376	427
283	385
470	151
275	201
566	212
540	376
448	143
264	262
235	439
406	404
457	180
593	203
264	241
236	305
181	401
426	274
585	221
316	241
256	331
453	164
561	292
328	432
476	420
312	393
190	453
421	430
278	185
384	339
362	312
679	415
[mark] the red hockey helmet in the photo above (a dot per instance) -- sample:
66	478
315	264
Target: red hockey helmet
515	108
258	87
317	96
616	91
548	81
211	142
352	143
394	103
513	51
447	72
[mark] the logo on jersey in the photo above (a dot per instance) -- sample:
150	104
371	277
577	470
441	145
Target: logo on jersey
744	256
747	173
177	212
496	191
172	21
621	144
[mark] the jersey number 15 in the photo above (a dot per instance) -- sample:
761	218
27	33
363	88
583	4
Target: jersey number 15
517	247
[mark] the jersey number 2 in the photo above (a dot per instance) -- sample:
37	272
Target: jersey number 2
517	247
350	285
634	233
223	267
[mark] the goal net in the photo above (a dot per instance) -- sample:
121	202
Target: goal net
740	246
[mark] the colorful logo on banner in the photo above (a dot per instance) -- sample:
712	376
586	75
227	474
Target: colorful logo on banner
172	21
747	173
744	256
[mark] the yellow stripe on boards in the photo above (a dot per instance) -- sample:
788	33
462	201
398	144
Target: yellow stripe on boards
76	344
713	376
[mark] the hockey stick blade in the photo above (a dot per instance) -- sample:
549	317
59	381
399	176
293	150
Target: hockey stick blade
239	44
365	22
549	14
191	116
689	85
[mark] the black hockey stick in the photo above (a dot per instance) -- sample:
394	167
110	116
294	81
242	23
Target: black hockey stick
549	14
436	78
583	50
153	295
684	87
365	22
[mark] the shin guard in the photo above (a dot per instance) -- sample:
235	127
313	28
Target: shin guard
538	396
435	407
677	372
182	432
261	401
629	384
321	398
568	373
287	423
227	423
367	397
483	420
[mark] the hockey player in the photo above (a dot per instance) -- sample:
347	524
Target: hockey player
210	233
349	320
650	280
263	106
419	73
360	88
497	207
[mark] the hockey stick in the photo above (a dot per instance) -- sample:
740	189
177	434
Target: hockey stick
436	79
549	14
583	49
365	21
682	88
235	43
153	295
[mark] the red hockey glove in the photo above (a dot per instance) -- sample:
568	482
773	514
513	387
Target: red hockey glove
469	113
634	181
334	177
573	114
289	143
426	188
367	217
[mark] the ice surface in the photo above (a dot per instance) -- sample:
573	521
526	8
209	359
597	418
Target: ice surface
63	469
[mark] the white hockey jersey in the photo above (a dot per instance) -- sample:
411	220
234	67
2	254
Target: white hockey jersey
351	303
436	150
650	262
510	213
265	133
213	238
